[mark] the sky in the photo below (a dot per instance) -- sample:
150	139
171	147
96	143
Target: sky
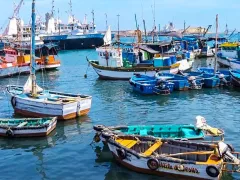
195	12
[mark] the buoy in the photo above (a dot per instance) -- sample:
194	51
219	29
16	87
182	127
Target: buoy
85	75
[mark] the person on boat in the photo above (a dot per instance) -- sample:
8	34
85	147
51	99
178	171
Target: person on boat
140	56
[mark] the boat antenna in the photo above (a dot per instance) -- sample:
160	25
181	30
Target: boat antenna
154	23
106	21
33	63
215	62
52	8
70	4
93	18
145	31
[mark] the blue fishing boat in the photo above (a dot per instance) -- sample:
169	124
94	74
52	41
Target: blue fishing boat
235	77
224	75
180	82
150	85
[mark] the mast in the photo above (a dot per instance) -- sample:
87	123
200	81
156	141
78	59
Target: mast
106	21
118	31
145	31
33	63
215	62
184	26
52	8
58	23
136	21
93	18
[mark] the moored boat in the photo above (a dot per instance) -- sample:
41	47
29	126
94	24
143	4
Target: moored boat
182	159
149	85
235	77
170	131
33	101
24	127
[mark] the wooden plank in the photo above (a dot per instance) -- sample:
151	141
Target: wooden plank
153	148
126	143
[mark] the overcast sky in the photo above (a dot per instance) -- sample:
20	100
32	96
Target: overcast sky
194	12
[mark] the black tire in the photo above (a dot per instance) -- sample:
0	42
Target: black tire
141	88
212	171
121	153
97	138
9	133
98	127
153	164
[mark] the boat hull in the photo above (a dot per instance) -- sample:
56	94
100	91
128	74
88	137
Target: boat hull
235	80
30	131
31	107
223	62
139	164
70	42
109	73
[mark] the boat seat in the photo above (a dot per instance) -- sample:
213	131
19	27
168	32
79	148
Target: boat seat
22	124
127	143
153	148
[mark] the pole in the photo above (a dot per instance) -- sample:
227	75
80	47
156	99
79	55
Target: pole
145	31
58	23
33	63
215	62
184	26
136	21
106	21
118	30
52	8
93	19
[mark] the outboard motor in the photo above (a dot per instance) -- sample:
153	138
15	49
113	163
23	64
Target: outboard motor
192	82
225	152
223	81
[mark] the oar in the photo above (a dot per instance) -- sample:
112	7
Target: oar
191	153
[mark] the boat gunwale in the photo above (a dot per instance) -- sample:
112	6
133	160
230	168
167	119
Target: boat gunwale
52	121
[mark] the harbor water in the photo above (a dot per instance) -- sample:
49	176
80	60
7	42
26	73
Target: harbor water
67	153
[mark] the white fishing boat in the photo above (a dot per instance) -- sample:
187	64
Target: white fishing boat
32	100
181	159
111	65
27	127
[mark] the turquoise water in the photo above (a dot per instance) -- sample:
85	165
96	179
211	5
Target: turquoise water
67	153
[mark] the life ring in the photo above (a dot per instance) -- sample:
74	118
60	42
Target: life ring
212	171
121	153
9	132
13	101
97	138
98	127
153	164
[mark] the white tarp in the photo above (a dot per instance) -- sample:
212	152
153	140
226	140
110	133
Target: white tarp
27	88
108	37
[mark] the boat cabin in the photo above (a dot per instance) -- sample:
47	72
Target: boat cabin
110	56
230	50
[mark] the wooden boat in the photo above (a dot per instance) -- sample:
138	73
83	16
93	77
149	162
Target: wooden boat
33	101
150	85
177	131
181	159
27	127
235	77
